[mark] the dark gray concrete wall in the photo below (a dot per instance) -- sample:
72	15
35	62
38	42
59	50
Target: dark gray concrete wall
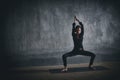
46	25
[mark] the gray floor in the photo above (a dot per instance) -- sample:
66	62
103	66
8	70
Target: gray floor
46	66
104	71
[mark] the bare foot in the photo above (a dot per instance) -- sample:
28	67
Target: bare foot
92	68
64	70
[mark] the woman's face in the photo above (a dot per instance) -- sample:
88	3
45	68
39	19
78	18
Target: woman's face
78	30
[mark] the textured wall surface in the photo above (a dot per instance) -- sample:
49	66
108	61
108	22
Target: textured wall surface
45	25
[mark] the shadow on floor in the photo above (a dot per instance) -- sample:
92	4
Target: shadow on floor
26	71
78	69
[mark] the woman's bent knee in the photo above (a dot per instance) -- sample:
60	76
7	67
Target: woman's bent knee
64	56
93	55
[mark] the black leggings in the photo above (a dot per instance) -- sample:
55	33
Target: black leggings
81	52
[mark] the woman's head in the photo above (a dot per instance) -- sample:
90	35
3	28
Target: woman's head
78	29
